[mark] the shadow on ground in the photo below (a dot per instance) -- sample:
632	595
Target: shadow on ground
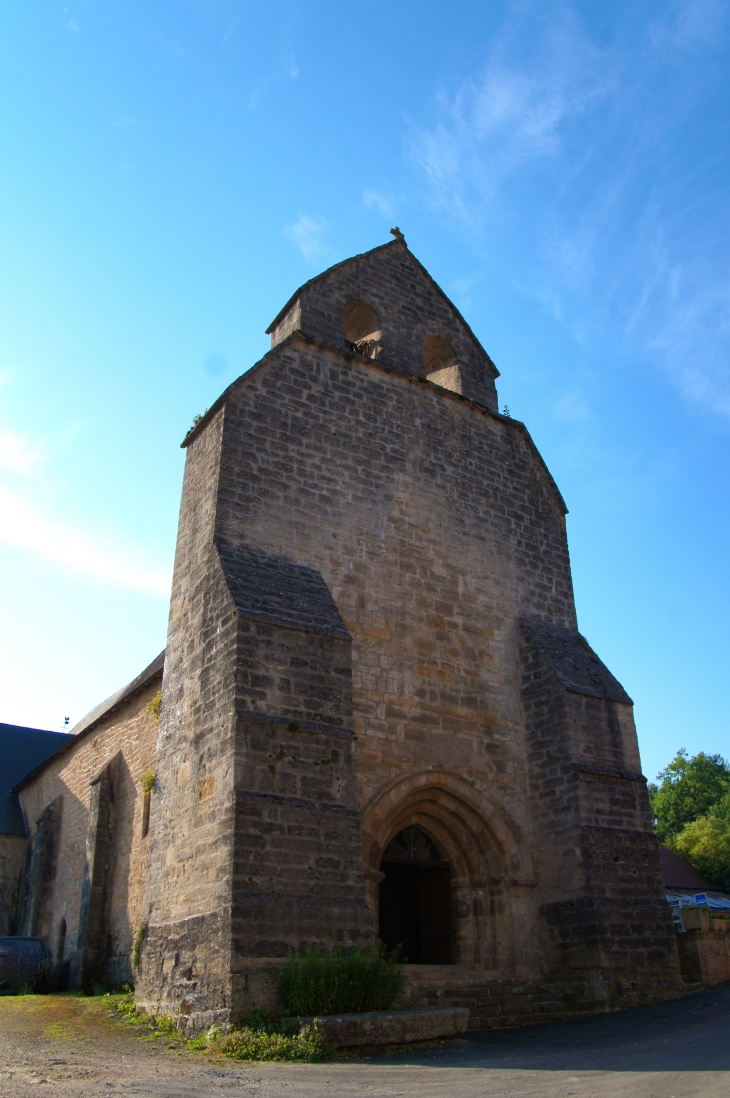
689	1034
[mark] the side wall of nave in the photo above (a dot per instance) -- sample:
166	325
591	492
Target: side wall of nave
85	860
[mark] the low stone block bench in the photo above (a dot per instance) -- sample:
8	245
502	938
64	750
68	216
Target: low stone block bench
391	1027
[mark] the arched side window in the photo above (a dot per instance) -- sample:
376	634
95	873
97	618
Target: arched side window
440	362
363	333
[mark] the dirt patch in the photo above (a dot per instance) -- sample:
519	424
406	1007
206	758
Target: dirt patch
76	1044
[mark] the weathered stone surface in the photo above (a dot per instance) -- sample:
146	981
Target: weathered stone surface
391	1027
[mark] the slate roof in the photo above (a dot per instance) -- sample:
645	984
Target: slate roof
91	719
678	873
105	707
574	663
21	751
272	589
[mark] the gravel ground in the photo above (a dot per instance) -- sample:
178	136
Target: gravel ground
78	1048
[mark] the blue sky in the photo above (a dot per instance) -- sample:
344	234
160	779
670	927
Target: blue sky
171	172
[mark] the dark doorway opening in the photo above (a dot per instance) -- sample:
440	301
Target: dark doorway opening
415	900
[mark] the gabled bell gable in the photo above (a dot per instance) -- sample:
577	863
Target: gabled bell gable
385	305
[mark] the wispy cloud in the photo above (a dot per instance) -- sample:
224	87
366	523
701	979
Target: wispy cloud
572	407
573	154
693	342
692	25
308	234
72	24
511	114
30	521
75	551
286	67
18	454
376	200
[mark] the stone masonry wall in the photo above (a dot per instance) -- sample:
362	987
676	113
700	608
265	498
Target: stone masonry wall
434	526
126	737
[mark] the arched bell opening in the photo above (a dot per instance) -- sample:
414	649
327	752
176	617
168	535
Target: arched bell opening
363	333
415	903
440	363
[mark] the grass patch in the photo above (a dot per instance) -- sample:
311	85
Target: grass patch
259	1037
344	981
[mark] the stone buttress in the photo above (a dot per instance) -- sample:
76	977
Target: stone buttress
255	846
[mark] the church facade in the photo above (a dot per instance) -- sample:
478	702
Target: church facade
378	717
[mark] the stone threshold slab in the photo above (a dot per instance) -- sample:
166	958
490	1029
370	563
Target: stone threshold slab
391	1027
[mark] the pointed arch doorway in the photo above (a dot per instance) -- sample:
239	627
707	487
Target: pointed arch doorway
415	899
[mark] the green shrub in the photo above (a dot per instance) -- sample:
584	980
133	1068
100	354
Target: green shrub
342	982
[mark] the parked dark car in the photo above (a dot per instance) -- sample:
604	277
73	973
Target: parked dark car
24	964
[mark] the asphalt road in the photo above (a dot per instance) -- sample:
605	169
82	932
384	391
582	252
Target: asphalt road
675	1050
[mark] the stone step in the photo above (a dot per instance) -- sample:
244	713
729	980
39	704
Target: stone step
390	1027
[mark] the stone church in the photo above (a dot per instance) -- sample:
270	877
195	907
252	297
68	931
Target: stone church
378	718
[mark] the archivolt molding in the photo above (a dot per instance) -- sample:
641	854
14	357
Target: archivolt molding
470	826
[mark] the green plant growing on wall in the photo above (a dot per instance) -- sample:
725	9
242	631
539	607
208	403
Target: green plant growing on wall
196	421
341	982
154	705
139	936
148	782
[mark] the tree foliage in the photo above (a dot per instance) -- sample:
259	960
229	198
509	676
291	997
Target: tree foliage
706	844
690	789
691	807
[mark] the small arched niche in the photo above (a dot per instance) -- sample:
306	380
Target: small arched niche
440	362
363	333
415	907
